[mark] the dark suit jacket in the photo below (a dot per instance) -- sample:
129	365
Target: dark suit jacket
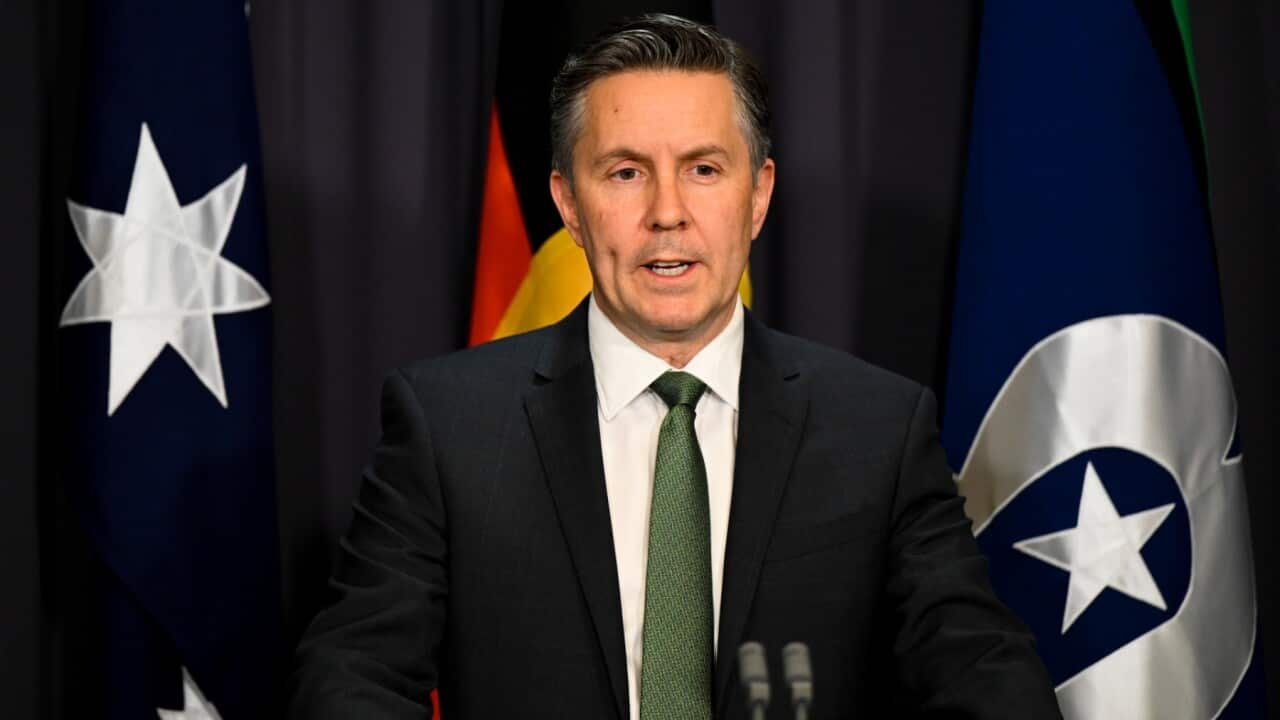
480	558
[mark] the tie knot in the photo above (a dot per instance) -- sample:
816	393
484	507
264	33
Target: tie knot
678	388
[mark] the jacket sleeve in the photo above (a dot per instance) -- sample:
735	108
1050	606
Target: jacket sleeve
372	653
959	651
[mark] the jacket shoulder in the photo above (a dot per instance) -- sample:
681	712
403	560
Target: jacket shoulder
499	363
836	371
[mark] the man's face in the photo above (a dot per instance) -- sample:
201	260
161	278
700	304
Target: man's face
664	202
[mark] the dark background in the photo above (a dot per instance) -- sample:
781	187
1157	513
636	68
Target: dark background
373	123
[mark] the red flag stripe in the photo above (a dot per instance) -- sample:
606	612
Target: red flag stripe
503	253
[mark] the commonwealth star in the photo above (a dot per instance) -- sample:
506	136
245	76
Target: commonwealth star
195	706
158	275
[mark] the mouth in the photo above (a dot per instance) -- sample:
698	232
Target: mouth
670	268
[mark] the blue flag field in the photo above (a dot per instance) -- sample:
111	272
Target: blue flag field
165	369
1090	416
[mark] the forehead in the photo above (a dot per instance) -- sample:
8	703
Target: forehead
675	107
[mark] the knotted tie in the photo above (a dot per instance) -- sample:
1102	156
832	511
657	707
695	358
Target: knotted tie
675	673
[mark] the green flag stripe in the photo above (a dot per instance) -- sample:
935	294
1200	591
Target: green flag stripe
1182	13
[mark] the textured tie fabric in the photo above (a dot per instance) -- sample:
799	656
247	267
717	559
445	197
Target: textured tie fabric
676	665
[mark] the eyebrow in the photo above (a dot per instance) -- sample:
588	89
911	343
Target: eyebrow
623	153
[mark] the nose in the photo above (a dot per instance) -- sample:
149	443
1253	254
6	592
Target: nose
666	208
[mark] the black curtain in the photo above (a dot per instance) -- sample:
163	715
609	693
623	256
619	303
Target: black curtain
20	118
373	123
39	550
1237	46
374	126
870	106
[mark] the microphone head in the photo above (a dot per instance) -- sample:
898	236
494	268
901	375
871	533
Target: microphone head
751	663
795	663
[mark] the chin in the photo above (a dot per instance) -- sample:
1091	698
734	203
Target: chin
678	322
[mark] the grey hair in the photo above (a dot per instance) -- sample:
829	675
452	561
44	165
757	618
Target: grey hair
657	42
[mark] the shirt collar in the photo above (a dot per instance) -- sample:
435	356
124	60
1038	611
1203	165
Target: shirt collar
624	370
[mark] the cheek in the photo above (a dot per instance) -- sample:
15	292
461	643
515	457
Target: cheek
596	226
726	224
611	228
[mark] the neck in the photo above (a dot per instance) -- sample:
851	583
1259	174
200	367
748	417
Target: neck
677	349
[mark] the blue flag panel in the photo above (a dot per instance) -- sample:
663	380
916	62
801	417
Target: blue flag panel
165	352
1089	414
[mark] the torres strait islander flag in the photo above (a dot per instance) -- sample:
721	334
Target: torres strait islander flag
529	271
1090	415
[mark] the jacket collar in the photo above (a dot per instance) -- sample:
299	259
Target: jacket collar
774	400
561	408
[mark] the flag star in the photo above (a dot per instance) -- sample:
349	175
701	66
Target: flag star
194	704
158	275
1102	551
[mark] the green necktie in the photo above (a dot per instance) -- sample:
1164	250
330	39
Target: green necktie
675	672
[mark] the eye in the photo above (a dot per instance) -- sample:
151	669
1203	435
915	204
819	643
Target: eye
704	170
626	174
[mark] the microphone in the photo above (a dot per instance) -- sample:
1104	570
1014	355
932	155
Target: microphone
799	675
753	672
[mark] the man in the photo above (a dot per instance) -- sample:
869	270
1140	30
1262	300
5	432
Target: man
588	520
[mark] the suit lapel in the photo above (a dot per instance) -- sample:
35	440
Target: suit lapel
562	414
772	410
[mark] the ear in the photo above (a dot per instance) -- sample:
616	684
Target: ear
761	195
562	196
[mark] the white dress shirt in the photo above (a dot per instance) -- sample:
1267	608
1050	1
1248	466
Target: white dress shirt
630	416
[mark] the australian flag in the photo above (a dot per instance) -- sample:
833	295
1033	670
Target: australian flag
1090	416
165	384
